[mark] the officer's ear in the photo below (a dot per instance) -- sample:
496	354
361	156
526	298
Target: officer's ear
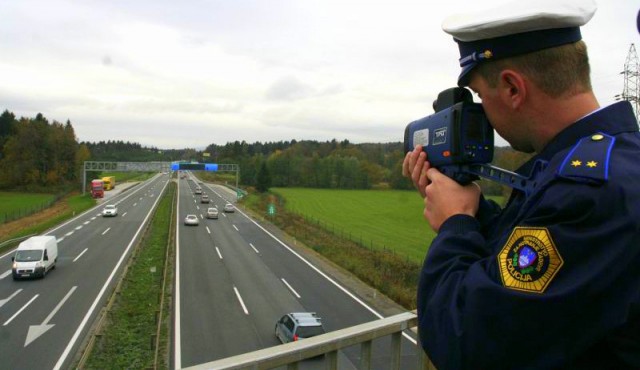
512	88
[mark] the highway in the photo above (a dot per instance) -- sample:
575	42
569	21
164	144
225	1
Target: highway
43	321
234	280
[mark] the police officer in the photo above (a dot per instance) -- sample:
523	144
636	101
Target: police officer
552	281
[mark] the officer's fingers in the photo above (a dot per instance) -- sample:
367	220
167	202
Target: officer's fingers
423	181
433	175
405	165
416	169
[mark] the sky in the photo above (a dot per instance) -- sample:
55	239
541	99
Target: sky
186	74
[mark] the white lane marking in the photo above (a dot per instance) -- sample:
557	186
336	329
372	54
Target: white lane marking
124	214
3	301
78	227
58	240
234	226
106	231
20	310
69	233
85	320
197	207
36	331
5	274
135	204
80	255
140	198
219	254
254	248
244	308
290	288
93	218
87	222
177	346
209	231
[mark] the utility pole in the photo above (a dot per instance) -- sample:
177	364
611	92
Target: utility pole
631	90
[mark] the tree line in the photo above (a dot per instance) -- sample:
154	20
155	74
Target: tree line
37	153
334	164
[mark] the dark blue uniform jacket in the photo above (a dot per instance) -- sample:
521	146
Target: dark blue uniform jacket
552	281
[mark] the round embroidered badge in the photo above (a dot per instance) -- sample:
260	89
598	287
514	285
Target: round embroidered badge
529	260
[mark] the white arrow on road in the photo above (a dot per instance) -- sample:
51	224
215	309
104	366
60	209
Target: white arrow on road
3	301
37	330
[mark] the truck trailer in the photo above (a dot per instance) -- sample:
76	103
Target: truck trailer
109	182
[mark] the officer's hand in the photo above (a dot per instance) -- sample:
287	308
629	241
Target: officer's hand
415	166
445	198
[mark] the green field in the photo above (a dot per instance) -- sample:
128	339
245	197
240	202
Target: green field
15	205
390	219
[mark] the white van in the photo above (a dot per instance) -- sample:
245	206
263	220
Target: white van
35	257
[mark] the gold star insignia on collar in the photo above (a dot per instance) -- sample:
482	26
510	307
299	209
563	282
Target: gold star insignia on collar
576	163
592	164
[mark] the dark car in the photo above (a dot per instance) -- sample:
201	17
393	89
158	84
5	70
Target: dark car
298	325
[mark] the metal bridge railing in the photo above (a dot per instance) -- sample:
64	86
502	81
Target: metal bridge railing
329	344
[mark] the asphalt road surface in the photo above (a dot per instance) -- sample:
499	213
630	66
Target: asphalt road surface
234	280
43	321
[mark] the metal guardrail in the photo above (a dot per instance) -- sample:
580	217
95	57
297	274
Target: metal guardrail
329	344
15	239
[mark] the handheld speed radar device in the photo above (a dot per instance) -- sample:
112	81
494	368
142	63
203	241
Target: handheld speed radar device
458	133
458	141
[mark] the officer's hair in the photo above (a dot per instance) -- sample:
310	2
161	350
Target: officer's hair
556	71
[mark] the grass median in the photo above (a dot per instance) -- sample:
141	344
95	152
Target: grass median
128	338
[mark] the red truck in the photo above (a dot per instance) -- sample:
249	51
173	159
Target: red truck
97	188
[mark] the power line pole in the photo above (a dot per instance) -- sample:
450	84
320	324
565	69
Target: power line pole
631	90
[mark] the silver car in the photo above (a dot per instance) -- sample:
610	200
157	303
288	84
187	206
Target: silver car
298	325
212	213
191	220
110	211
229	208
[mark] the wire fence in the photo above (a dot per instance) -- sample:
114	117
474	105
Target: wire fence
15	214
357	238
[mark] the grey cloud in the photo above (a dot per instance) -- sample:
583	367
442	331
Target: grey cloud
289	88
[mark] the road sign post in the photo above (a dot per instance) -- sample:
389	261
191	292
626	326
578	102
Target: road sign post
271	209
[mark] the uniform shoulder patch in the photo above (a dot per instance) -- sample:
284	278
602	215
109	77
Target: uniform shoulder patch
588	160
529	260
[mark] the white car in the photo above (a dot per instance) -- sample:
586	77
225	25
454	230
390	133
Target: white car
212	213
110	211
191	220
229	208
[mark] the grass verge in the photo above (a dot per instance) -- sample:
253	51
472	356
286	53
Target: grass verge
127	341
64	209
